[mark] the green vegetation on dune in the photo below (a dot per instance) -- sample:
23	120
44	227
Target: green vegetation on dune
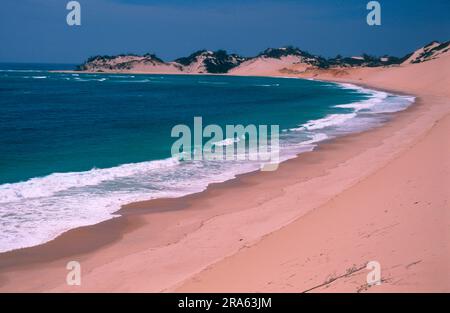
214	61
190	59
221	62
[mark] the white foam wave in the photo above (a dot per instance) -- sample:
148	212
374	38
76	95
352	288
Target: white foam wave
88	79
24	71
327	121
134	81
122	76
227	142
315	138
48	206
376	98
213	83
378	102
57	182
268	85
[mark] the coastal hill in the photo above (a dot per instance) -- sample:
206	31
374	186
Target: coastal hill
286	60
276	59
204	61
429	52
148	63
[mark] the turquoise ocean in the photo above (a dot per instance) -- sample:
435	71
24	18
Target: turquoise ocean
75	147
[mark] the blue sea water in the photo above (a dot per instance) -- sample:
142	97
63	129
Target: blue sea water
75	147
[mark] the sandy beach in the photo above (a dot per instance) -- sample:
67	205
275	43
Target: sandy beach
313	225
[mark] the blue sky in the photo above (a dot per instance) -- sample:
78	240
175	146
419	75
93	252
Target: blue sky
36	30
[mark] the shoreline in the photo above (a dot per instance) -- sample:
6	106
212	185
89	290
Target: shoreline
125	207
136	207
326	157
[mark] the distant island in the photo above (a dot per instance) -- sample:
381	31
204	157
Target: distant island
288	60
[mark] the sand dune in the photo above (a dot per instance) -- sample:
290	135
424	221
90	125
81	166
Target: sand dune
263	66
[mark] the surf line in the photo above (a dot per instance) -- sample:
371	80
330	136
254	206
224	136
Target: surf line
251	142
